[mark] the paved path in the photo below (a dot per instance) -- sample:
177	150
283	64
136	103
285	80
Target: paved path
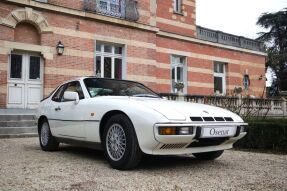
23	166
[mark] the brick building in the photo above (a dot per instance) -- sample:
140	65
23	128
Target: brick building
155	42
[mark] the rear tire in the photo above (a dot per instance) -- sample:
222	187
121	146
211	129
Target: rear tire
120	143
208	155
47	141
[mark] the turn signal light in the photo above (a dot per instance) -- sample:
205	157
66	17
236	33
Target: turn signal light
167	131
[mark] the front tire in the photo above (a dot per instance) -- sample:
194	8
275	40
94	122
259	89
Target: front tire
208	155
47	141
120	143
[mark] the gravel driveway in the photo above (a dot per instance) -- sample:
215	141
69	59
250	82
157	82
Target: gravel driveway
23	166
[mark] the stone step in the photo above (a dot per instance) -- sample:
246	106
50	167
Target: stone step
18	130
20	123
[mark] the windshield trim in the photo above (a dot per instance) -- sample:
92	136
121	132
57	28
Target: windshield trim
128	81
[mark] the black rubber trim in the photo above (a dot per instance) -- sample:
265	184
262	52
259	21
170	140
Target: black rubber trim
75	120
237	131
205	142
198	132
92	145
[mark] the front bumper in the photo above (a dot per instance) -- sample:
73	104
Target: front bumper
193	143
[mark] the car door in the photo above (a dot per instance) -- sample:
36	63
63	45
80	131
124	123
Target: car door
66	120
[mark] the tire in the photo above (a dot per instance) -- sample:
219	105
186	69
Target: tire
47	141
120	143
208	155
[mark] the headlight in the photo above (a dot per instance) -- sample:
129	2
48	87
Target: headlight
175	130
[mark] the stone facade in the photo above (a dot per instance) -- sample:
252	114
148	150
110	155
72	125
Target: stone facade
148	45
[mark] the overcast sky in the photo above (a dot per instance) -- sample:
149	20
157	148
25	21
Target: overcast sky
235	16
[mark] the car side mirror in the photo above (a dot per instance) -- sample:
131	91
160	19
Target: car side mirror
72	96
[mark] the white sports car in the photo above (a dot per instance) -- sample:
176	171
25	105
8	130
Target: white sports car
127	119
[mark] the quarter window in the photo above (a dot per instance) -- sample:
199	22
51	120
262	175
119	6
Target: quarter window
219	78
57	97
178	73
109	61
71	86
75	87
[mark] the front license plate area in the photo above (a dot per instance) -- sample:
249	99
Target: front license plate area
213	131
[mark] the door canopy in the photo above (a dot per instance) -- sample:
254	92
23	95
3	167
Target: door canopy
26	15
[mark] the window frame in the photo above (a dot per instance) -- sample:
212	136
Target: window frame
220	75
177	65
65	86
29	69
61	93
177	6
105	80
10	66
246	82
102	54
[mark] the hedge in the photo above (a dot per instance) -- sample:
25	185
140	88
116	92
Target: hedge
265	134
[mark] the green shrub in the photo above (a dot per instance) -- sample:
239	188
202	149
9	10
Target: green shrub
265	134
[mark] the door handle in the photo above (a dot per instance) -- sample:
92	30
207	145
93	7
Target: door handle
57	108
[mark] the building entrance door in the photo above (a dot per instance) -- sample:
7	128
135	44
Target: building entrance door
25	81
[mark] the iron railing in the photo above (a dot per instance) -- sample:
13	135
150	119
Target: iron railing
228	39
124	9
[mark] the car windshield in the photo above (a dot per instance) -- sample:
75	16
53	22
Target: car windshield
109	87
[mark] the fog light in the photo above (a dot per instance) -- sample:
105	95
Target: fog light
167	131
184	130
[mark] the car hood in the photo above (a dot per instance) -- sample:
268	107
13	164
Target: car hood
181	111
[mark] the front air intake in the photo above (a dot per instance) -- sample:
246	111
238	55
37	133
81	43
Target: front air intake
208	118
228	119
173	146
196	119
219	119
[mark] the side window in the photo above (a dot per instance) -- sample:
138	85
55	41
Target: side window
75	87
219	78
177	6
178	73
57	97
109	61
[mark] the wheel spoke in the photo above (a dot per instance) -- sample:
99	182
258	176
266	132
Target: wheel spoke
116	142
44	135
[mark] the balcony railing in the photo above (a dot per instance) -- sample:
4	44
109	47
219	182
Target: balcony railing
228	39
124	9
246	107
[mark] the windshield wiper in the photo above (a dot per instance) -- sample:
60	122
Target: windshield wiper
145	95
